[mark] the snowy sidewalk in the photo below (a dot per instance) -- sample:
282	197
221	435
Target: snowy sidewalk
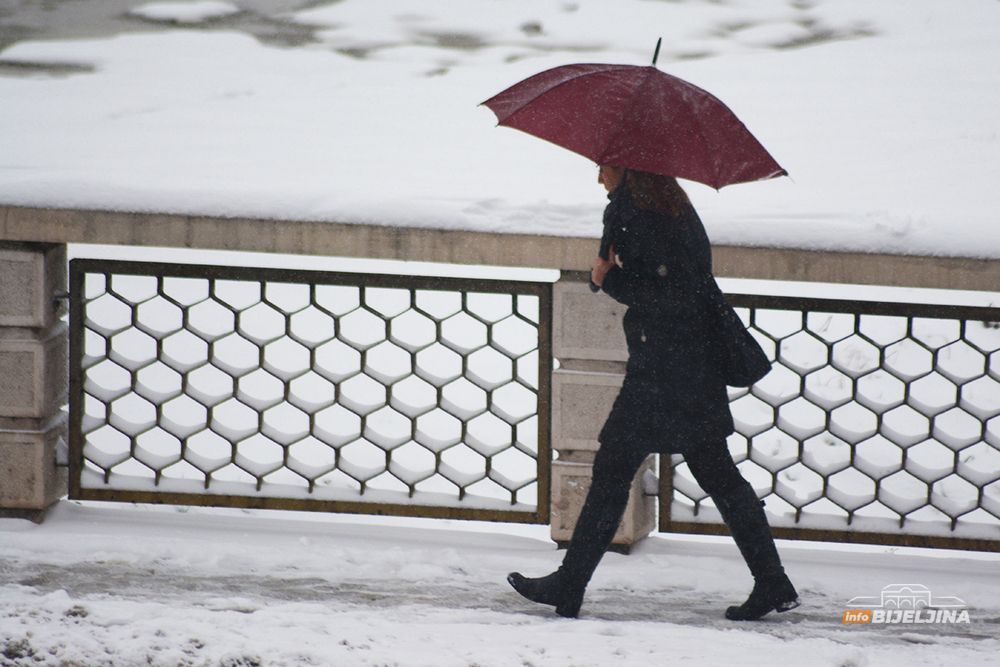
129	585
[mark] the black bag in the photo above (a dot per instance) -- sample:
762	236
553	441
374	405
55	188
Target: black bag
742	360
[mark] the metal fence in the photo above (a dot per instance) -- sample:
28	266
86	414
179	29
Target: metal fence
880	422
309	390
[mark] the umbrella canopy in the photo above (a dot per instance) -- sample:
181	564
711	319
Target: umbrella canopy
636	117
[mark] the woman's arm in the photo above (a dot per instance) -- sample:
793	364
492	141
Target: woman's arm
602	266
631	289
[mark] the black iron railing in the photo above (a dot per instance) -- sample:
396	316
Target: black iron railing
880	422
310	390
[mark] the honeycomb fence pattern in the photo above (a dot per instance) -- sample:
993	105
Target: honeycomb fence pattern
881	418
310	390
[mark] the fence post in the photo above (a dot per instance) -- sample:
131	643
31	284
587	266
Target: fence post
588	341
33	368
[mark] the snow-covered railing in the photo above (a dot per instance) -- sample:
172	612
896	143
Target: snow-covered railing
880	422
309	390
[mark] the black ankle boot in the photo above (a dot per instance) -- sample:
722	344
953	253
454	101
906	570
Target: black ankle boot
551	590
773	594
593	533
772	591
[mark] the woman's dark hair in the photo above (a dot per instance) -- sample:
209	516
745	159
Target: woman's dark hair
656	191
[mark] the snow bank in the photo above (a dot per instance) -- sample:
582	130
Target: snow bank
887	131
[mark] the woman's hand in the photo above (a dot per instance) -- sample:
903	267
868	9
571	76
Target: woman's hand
601	267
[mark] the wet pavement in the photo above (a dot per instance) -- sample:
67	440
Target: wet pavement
248	592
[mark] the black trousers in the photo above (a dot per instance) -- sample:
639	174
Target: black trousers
615	466
710	463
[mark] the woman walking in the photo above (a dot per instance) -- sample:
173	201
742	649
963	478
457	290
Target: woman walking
673	399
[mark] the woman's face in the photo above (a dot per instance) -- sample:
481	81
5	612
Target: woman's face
610	177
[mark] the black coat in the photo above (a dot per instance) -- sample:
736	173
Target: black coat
673	397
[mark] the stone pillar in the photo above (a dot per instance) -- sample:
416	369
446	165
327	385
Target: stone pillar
588	341
33	377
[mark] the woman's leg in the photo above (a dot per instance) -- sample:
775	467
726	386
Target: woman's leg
614	469
713	468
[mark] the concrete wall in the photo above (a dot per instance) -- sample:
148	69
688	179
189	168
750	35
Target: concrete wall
33	368
462	247
589	344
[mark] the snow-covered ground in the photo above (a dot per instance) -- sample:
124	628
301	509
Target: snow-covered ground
125	586
883	113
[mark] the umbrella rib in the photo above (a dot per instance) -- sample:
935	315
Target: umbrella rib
546	91
716	168
704	142
624	115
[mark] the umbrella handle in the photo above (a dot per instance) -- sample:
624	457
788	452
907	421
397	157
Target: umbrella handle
594	287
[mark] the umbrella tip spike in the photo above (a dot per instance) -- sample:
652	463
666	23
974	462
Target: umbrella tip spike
656	53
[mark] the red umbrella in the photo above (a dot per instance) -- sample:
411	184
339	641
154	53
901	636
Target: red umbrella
636	117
